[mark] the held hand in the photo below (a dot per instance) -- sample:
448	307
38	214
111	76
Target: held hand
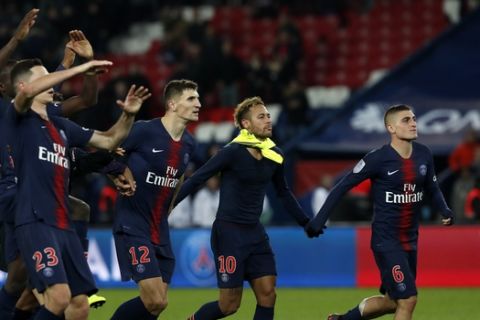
125	183
119	152
95	67
134	100
80	45
27	22
447	221
313	231
68	57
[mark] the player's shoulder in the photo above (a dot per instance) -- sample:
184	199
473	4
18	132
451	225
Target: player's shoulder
188	137
378	153
232	147
54	109
143	124
421	148
278	150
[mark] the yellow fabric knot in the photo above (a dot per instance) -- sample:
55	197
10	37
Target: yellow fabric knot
248	139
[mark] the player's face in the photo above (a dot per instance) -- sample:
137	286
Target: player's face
188	105
259	123
47	95
404	126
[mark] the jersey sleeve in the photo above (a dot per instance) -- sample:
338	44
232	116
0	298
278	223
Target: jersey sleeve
287	198
364	169
433	189
54	110
216	164
99	161
58	86
133	139
77	136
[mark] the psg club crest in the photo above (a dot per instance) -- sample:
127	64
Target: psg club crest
423	169
196	259
140	268
48	272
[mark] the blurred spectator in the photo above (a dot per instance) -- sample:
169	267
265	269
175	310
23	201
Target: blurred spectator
320	193
231	72
472	202
463	155
258	78
205	203
294	117
460	189
181	215
267	213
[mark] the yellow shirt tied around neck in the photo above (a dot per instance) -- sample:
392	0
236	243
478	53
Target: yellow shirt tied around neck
250	140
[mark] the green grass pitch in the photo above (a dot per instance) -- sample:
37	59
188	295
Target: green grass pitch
307	304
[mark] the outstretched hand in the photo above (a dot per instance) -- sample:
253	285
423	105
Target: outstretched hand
95	66
27	22
447	221
312	230
80	45
134	99
125	183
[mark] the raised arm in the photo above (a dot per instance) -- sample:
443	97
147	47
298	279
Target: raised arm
26	91
20	34
81	47
112	138
214	165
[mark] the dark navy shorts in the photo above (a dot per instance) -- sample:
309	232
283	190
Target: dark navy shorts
398	270
242	252
11	246
54	256
139	259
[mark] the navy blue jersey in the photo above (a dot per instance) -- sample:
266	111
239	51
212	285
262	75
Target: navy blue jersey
40	150
399	187
7	175
54	109
157	163
244	182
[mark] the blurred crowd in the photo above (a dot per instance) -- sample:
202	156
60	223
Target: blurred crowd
193	50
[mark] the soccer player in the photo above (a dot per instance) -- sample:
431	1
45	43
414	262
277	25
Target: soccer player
54	256
402	174
15	281
157	152
78	45
239	242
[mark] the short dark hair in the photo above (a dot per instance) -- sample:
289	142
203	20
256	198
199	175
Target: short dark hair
395	109
22	68
243	108
176	87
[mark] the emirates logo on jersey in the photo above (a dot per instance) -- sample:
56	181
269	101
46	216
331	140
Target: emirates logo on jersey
168	180
56	157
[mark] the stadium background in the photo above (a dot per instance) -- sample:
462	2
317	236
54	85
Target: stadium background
327	70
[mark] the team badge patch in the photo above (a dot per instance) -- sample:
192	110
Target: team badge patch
186	158
401	287
48	272
224	277
423	169
359	166
140	268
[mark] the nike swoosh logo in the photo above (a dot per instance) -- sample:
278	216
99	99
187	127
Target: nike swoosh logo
157	150
43	127
392	172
